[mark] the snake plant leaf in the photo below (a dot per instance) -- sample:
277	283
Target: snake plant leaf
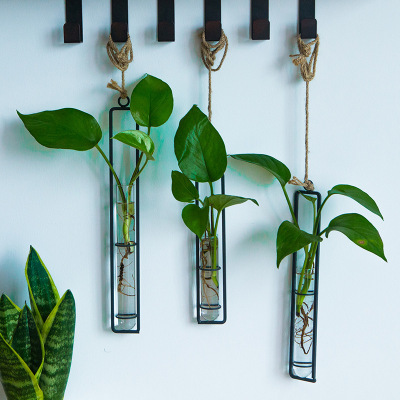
43	293
360	231
28	343
271	164
138	140
199	148
67	128
9	315
358	195
58	336
196	218
18	381
291	239
182	188
221	201
151	102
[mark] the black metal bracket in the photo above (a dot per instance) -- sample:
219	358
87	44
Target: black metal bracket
292	362
212	20
198	268
307	21
119	16
73	32
166	20
260	25
123	107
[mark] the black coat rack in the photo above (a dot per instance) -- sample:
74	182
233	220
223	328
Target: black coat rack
260	26
73	32
119	25
307	21
166	20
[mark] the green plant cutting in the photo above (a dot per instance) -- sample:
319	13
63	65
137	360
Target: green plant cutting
151	105
291	238
36	343
202	158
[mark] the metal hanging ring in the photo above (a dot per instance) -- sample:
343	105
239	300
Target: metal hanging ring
123	105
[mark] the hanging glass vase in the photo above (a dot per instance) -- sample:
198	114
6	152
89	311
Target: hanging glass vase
125	268
304	307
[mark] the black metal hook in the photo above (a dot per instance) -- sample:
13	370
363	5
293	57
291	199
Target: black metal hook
166	20
212	16
73	32
307	21
260	26
119	16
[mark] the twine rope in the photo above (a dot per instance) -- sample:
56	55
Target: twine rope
121	60
208	55
307	70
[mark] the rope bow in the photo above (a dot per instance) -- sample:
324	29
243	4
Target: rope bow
121	60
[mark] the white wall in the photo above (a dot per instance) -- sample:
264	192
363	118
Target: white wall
57	200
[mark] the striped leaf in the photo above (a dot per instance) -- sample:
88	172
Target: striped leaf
43	293
9	314
18	381
58	336
27	342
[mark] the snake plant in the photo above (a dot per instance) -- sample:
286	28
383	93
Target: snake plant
36	343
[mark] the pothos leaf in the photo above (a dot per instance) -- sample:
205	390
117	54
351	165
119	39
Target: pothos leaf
138	140
67	128
196	218
271	164
291	239
183	188
358	195
221	201
360	231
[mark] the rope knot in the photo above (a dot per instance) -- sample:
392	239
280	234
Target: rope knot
121	60
307	68
208	55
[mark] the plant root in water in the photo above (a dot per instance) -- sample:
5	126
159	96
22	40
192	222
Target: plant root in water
206	276
304	328
123	283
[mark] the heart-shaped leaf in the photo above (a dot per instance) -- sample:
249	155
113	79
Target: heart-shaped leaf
271	164
43	293
358	195
9	315
151	102
196	218
67	128
27	342
58	337
18	380
360	231
199	148
138	140
183	188
291	239
221	201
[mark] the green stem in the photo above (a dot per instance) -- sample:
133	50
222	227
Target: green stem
113	172
213	228
317	219
214	262
290	206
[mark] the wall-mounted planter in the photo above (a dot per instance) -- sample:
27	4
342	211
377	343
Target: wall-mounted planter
124	247
304	307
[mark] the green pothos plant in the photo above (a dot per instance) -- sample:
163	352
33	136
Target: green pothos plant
202	158
291	238
151	105
36	343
